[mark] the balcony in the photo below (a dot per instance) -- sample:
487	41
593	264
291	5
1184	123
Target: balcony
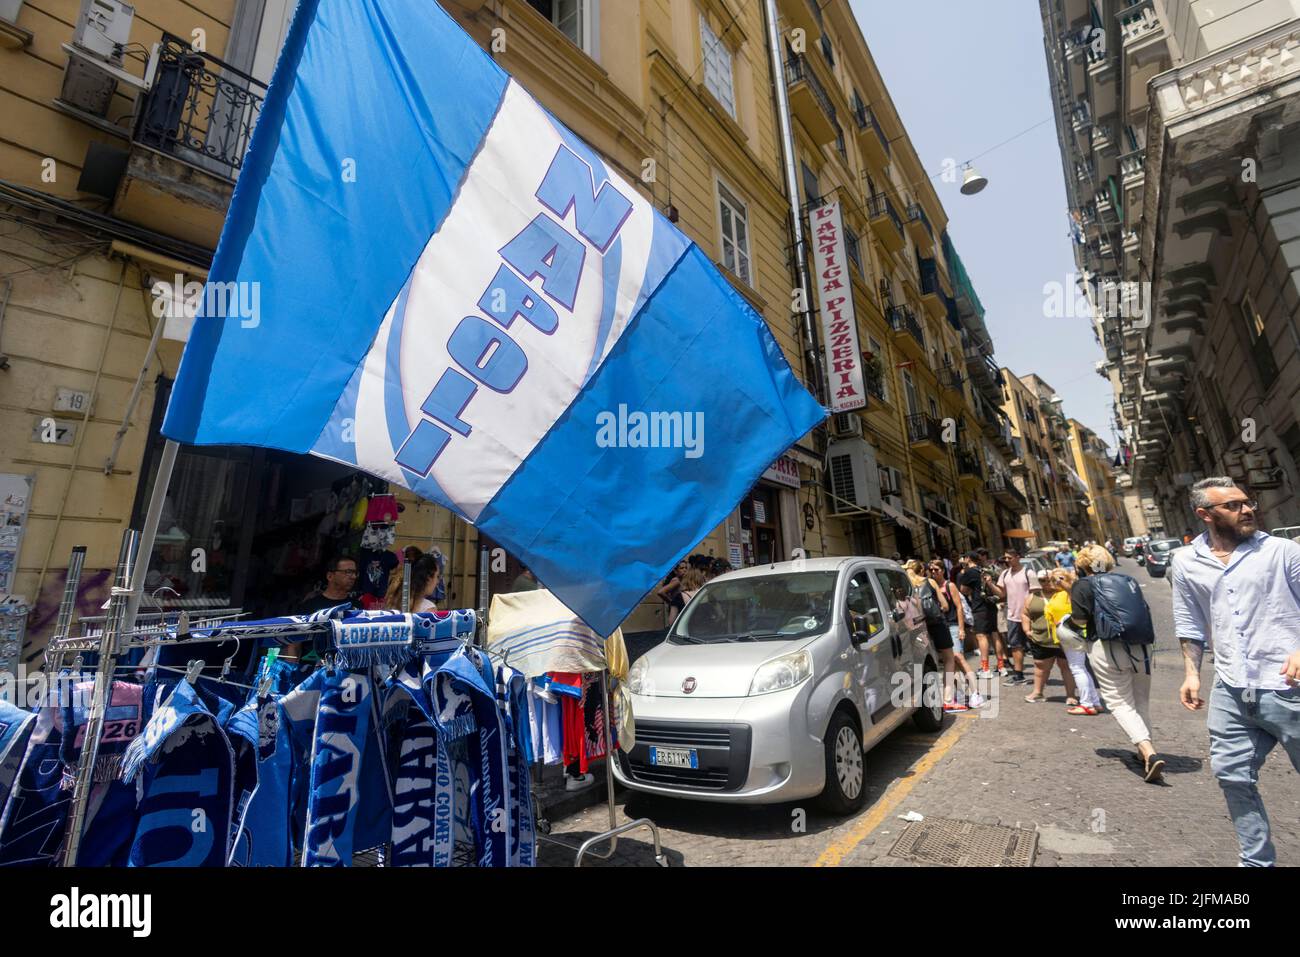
810	102
907	331
1004	491
1081	117
1103	203
802	14
1133	168
951	379
1102	139
885	223
918	227
1100	63
926	437
1140	26
1086	171
191	134
970	473
933	295
871	138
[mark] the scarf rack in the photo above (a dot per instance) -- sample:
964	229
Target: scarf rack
116	633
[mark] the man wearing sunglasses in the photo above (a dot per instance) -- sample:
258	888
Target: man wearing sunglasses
1240	588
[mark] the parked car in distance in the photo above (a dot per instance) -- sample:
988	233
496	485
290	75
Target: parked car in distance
1037	562
774	681
1156	554
1131	545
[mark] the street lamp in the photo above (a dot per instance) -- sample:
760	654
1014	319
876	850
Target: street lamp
973	182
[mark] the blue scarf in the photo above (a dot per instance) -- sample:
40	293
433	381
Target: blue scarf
513	707
345	792
407	715
15	729
264	836
187	787
465	710
35	819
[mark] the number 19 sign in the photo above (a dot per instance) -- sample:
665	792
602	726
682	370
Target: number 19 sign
839	322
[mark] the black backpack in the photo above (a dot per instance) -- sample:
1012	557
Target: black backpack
1119	612
930	606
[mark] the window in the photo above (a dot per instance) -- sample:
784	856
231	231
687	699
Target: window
717	67
854	251
1257	342
735	233
934	407
864	607
910	388
574	18
827	50
839	143
812	192
878	353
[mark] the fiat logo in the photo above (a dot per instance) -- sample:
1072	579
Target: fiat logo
688	685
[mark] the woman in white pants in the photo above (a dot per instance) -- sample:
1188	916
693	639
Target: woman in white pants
1123	674
1059	611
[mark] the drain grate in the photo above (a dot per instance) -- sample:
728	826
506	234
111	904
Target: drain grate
964	844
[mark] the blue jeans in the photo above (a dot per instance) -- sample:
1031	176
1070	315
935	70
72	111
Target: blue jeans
1242	733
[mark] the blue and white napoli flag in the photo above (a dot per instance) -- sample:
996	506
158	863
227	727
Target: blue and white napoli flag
452	292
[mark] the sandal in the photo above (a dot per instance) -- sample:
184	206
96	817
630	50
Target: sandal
1154	766
1082	709
1035	698
1072	702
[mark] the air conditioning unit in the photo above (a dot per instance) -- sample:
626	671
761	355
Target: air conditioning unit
846	425
104	28
95	56
853	476
893	501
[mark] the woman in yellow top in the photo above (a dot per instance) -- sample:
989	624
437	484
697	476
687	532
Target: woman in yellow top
1045	647
1073	647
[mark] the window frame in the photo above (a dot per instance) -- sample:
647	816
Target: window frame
718	46
725	194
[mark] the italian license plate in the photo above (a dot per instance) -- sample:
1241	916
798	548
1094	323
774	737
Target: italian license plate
674	758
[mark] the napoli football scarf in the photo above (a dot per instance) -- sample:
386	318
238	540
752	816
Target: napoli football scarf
348	802
187	775
407	712
465	709
15	729
35	819
513	708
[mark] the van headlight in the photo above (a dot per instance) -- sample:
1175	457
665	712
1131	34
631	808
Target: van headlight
781	673
637	677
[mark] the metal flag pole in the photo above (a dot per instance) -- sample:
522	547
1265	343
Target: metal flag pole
482	593
54	663
157	499
102	688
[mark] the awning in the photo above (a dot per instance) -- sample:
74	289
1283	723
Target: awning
1018	533
898	517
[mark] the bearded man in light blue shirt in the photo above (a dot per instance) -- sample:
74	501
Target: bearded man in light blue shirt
1240	588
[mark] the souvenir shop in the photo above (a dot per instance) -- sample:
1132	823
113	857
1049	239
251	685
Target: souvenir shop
253	528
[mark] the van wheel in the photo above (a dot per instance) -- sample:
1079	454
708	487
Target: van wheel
929	716
846	782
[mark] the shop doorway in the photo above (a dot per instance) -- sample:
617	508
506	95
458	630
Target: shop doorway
760	526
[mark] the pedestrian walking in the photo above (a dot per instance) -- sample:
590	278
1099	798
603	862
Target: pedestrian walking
1240	588
955	616
670	591
974	583
1108	610
1012	587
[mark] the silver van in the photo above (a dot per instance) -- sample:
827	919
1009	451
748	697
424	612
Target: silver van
774	681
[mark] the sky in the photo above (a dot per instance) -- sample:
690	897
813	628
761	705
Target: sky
964	80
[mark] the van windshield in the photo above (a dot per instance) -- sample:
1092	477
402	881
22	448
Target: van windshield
761	608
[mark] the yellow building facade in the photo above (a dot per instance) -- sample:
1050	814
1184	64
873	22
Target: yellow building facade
117	163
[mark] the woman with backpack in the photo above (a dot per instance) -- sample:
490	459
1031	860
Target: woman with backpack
934	607
957	615
1083	698
1113	617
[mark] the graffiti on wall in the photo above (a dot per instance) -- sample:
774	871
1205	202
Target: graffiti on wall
92	593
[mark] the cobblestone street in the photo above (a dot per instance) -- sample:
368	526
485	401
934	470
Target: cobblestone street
1073	779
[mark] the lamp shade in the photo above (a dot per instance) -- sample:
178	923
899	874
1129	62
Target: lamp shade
973	182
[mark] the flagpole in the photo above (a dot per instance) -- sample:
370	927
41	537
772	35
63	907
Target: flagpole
147	537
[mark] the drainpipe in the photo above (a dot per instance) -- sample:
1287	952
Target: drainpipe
812	353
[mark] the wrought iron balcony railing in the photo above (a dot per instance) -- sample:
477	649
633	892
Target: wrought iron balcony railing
901	319
915	214
864	118
199	109
799	70
879	205
922	428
